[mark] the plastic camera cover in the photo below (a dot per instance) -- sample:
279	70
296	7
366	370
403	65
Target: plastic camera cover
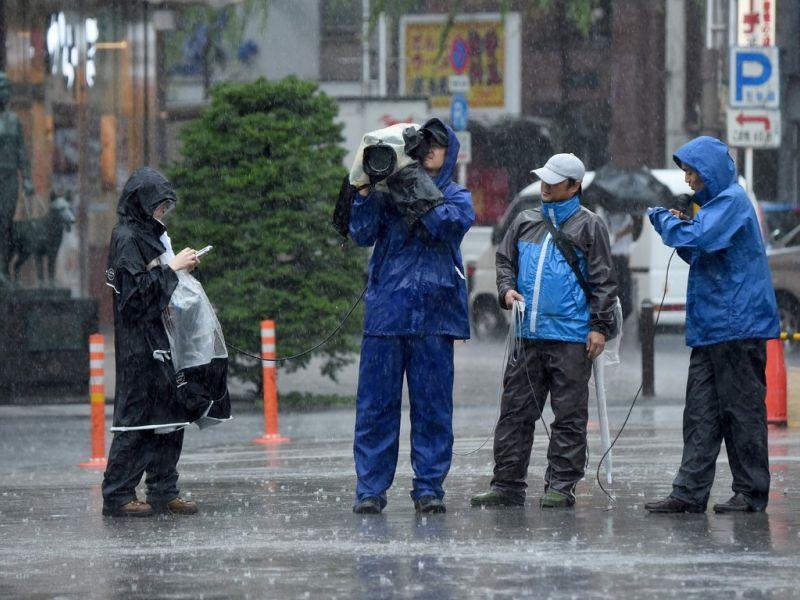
393	136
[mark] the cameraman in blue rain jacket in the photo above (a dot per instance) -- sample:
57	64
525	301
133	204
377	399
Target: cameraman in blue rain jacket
730	313
416	305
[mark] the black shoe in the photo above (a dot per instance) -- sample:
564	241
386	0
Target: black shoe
737	503
429	505
672	505
368	506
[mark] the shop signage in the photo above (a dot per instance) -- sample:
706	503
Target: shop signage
756	22
475	48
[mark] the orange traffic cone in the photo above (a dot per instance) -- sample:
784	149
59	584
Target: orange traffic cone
776	384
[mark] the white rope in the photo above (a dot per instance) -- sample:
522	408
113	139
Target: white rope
511	354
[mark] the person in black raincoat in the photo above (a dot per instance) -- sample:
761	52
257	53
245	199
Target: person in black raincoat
148	416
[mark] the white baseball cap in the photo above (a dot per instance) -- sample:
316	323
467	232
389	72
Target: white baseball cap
560	167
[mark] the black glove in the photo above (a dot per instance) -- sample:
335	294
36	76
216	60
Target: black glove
341	212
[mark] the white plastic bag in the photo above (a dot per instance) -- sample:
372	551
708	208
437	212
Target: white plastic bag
195	335
611	352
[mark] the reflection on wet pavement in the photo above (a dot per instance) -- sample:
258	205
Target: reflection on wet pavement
276	522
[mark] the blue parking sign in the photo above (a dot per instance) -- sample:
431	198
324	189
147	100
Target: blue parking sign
754	77
459	112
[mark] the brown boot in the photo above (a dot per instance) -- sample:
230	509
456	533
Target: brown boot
179	506
134	508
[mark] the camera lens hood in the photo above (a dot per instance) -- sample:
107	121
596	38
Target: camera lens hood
379	161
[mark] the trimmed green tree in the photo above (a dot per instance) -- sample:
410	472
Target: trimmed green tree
259	175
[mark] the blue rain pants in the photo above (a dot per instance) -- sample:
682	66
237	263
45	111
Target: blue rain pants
427	363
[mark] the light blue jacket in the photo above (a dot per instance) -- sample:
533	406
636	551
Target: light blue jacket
556	307
730	294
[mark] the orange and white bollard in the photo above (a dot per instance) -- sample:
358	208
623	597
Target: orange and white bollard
97	400
776	384
269	373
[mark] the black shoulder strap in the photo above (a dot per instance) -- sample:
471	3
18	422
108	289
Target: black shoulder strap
566	248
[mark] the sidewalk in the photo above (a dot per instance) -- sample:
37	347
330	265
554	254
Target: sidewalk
276	521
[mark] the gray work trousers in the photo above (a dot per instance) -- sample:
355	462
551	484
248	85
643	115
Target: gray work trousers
561	369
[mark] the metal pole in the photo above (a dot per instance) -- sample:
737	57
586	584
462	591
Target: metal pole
383	54
365	48
748	168
647	334
2	35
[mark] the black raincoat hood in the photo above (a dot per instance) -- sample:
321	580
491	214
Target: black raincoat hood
144	191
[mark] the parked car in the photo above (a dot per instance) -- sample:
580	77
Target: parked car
779	219
784	263
474	244
649	258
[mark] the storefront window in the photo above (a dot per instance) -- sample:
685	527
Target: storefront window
83	87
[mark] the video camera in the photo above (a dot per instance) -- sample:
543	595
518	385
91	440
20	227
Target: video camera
389	160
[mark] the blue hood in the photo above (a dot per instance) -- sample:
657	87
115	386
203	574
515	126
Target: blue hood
445	176
710	158
729	294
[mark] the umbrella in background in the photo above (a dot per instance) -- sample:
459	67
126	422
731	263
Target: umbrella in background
627	190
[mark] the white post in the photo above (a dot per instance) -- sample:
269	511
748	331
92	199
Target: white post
598	368
462	174
383	54
675	59
748	169
365	48
733	20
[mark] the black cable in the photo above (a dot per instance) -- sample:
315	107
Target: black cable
506	360
310	350
635	398
533	391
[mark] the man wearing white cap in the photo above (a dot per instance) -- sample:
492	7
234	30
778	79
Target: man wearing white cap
556	261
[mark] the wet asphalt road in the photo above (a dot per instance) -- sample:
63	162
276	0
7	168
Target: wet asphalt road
276	522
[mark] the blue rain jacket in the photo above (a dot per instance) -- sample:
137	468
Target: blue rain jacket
416	283
730	294
556	307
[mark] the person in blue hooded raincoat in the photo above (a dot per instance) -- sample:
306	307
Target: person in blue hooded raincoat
730	313
415	307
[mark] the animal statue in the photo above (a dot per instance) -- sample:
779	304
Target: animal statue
42	237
